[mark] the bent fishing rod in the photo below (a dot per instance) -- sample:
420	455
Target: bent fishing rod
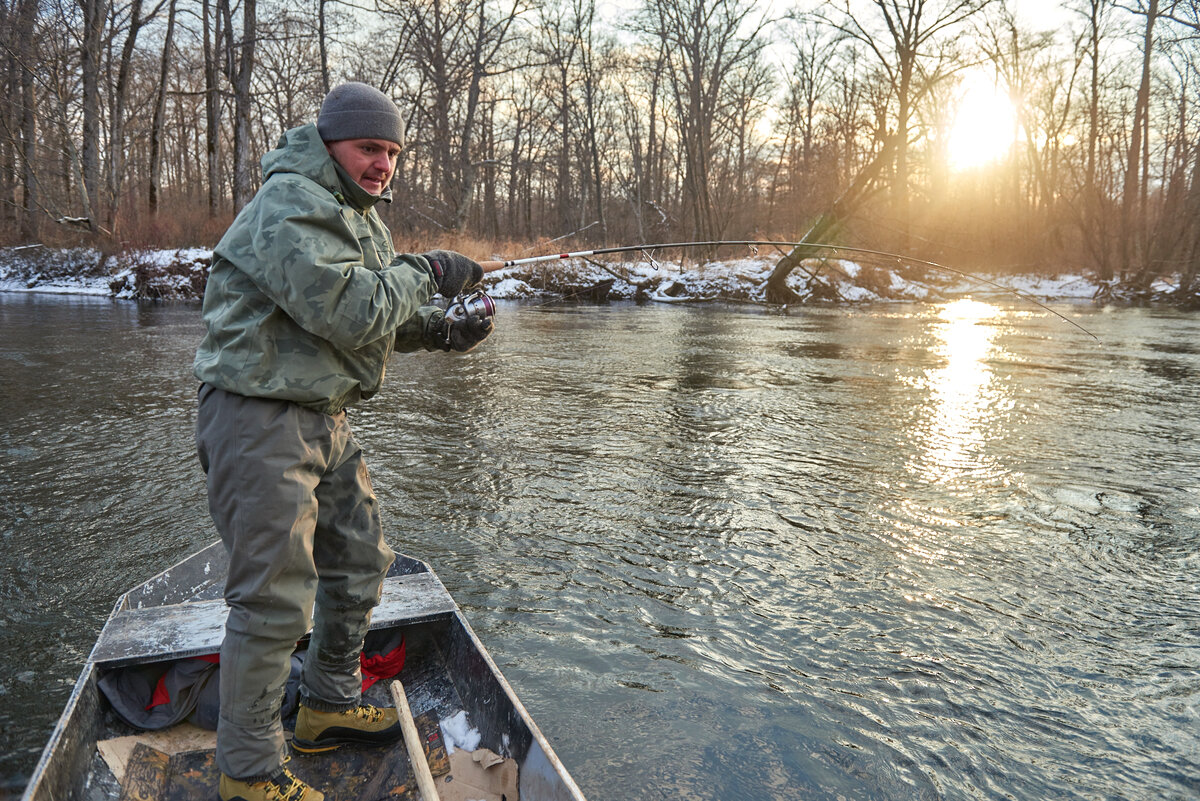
493	266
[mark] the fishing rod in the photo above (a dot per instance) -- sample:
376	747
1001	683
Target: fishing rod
493	266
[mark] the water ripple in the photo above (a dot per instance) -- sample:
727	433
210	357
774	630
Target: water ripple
905	552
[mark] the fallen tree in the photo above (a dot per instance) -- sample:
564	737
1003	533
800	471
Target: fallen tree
862	187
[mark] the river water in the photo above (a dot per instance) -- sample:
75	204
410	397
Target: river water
891	552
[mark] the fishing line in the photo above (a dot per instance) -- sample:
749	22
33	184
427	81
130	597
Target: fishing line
492	266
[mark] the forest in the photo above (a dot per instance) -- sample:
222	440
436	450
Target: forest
952	130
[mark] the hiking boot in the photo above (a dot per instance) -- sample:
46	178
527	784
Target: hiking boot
362	725
281	787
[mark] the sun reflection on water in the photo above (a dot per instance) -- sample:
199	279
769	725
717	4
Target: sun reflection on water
961	394
959	398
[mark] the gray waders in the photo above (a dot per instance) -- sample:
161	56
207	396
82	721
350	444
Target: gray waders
290	495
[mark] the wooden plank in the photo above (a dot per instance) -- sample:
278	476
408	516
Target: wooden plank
160	633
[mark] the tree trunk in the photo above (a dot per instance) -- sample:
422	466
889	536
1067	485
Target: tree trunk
900	187
10	85
1093	226
213	36
160	107
323	45
239	75
562	184
95	16
591	89
1131	210
1191	266
30	202
858	191
116	138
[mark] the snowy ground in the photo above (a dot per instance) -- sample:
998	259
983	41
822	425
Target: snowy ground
181	274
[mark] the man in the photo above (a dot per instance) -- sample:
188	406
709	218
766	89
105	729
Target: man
306	300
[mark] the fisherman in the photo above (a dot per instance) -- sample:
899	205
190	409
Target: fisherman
306	300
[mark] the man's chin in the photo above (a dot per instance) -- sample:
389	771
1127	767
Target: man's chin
373	187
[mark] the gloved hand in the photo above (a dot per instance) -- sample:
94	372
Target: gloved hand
453	272
464	334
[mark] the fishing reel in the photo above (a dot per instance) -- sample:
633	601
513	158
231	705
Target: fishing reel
463	306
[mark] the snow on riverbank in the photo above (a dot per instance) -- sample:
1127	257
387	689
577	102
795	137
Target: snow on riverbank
153	274
181	274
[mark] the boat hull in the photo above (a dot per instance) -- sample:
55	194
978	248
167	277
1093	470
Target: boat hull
172	616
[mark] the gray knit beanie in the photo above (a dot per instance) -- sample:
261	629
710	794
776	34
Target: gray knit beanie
357	111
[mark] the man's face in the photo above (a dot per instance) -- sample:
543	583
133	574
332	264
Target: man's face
370	162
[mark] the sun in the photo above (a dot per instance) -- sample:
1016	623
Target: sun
983	129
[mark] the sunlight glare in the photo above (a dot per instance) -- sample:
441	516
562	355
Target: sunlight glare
983	127
962	396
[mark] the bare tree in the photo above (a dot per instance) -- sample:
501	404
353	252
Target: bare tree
25	43
454	48
1132	221
810	87
558	46
287	88
913	44
239	72
595	59
95	16
704	42
1090	47
1186	16
120	94
160	107
213	23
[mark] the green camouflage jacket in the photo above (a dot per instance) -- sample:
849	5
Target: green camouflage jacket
306	297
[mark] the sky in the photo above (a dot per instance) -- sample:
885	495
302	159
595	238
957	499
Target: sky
1043	14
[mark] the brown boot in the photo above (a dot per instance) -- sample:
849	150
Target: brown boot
281	787
362	725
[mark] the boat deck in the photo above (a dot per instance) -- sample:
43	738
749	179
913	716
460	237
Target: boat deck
347	774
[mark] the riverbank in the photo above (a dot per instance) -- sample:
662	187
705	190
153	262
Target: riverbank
180	275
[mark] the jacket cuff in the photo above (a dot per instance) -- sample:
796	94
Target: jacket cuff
421	331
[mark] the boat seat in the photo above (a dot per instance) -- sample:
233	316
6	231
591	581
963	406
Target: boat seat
175	631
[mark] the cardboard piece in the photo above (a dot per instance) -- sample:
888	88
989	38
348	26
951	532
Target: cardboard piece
146	773
151	775
480	775
175	740
432	742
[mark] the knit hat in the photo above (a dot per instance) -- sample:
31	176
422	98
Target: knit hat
357	111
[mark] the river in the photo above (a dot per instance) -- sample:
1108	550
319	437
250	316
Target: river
943	551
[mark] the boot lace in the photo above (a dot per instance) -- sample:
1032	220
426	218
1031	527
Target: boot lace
371	714
286	787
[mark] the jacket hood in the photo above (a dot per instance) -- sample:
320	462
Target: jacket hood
302	151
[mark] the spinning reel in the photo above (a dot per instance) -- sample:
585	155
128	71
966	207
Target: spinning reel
463	306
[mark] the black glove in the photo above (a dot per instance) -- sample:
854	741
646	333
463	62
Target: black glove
453	272
462	335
